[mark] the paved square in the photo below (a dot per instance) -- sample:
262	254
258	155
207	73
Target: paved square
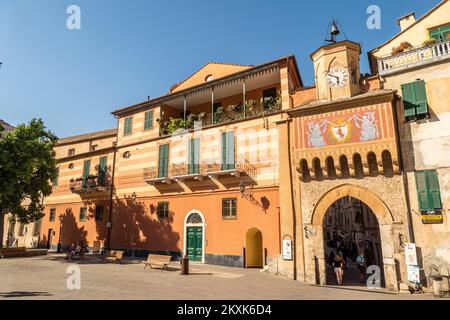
45	278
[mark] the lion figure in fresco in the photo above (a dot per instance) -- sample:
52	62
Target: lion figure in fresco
369	129
316	131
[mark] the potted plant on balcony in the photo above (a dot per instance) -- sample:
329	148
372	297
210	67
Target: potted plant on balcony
234	111
404	46
251	106
429	43
92	180
175	125
218	115
162	126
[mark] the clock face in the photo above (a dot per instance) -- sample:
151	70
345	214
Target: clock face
337	78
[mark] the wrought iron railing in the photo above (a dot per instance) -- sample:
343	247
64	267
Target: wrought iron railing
89	185
204	168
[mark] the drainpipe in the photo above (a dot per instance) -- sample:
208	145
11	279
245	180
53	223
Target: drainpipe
404	174
294	220
111	191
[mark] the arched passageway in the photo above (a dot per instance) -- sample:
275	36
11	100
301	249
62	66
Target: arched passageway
350	228
254	257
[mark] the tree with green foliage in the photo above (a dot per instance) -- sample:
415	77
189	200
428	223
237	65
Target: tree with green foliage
27	167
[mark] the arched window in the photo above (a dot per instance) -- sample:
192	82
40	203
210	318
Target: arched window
388	169
194	218
357	164
306	176
372	161
331	170
209	78
343	163
317	169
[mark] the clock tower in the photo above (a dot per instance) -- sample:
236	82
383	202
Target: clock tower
337	70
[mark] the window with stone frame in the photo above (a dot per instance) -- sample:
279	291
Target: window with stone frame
163	210
229	210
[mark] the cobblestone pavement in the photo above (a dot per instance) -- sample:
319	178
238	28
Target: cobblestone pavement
45	278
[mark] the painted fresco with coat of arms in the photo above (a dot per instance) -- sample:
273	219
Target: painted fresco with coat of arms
329	130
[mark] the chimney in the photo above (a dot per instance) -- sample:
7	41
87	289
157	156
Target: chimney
405	21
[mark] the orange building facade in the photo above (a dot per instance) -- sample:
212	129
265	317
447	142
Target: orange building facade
194	172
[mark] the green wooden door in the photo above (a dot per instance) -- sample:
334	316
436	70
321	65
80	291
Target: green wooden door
194	243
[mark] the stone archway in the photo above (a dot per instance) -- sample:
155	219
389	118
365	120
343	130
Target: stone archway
314	237
380	209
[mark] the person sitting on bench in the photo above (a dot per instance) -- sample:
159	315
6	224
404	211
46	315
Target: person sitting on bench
71	251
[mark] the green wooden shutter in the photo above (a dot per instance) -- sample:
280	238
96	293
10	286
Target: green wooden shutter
148	124
409	99
163	163
433	188
224	150
194	156
86	168
128	125
422	190
421	101
230	150
55	181
102	171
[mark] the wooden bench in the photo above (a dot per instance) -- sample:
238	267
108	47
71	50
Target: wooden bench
12	252
157	260
113	256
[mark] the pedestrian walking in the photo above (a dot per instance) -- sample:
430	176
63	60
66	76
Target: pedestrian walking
338	264
361	263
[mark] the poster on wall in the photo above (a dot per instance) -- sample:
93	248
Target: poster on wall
410	254
414	274
287	249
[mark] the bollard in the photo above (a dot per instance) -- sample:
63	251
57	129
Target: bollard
185	266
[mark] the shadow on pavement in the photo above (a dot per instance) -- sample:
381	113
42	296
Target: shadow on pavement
18	294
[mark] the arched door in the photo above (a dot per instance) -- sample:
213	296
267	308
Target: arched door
194	236
254	257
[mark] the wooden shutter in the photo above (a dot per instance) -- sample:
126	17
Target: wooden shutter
230	150
163	162
422	190
433	188
86	168
55	181
102	171
194	156
421	101
224	150
409	99
148	120
128	125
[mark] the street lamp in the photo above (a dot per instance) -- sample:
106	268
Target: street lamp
61	218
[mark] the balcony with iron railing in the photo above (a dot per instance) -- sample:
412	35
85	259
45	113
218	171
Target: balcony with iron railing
90	184
182	172
411	57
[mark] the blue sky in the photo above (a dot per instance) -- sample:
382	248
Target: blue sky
128	50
